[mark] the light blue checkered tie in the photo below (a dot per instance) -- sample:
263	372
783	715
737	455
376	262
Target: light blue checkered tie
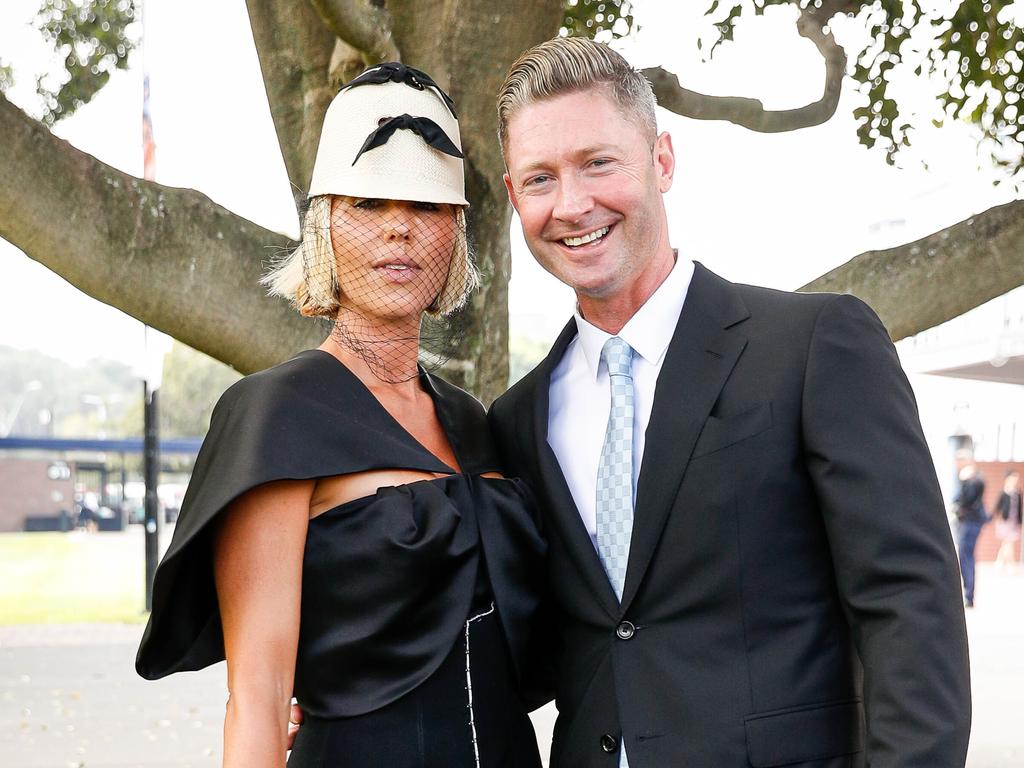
615	471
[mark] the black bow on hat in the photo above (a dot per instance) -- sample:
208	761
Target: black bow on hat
431	132
396	72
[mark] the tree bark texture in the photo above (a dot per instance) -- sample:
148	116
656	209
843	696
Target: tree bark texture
170	257
363	24
916	286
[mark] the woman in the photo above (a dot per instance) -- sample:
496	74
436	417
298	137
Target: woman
346	536
1008	520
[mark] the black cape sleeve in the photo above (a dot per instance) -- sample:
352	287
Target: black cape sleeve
306	418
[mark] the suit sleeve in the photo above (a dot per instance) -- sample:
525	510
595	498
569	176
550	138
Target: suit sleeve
895	565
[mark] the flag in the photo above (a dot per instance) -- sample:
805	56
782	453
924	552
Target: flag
148	145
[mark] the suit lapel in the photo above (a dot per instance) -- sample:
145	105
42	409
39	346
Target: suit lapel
563	513
697	364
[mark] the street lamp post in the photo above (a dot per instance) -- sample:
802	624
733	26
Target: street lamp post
154	354
151	477
156	346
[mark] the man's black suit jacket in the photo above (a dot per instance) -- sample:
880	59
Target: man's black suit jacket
792	595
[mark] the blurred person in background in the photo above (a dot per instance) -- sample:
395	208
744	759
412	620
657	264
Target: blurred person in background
1008	520
970	518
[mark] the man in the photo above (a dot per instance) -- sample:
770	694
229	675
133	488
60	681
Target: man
749	559
970	519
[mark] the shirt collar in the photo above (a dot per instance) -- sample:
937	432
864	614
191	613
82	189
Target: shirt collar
651	327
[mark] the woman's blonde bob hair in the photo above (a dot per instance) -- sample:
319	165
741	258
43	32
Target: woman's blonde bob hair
308	277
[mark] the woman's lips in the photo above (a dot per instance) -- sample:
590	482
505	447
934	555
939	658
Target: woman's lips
397	272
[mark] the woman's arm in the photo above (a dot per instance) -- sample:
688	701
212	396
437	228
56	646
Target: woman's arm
258	570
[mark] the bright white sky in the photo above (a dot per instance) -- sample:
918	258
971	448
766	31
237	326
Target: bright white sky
775	210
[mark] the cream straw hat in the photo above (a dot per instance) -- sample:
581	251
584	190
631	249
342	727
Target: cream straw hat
391	134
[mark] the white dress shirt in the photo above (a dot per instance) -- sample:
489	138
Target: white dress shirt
579	394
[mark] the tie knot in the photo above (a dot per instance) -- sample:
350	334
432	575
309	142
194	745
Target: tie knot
618	356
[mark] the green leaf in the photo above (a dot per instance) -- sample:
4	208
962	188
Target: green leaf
960	47
581	19
94	38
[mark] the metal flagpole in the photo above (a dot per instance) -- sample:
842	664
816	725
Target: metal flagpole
151	475
151	382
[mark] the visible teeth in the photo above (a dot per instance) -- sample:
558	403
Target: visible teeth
396	266
574	241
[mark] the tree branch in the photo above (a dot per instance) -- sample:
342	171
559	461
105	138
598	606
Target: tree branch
916	286
295	52
346	64
750	113
362	24
170	257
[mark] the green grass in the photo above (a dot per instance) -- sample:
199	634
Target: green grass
64	578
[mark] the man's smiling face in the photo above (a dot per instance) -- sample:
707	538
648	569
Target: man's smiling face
588	185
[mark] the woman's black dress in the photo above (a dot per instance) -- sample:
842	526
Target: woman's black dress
417	602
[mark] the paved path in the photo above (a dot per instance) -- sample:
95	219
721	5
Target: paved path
69	697
996	629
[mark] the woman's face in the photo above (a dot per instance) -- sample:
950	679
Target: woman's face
392	256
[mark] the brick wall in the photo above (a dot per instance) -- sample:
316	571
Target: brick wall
26	490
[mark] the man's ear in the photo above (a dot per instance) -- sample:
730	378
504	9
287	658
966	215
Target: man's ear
664	161
511	191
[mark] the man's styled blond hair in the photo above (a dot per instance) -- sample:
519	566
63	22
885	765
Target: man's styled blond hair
572	64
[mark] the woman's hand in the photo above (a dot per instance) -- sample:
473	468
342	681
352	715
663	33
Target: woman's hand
258	571
295	719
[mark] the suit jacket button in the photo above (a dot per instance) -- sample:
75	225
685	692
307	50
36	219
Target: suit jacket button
609	743
625	630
